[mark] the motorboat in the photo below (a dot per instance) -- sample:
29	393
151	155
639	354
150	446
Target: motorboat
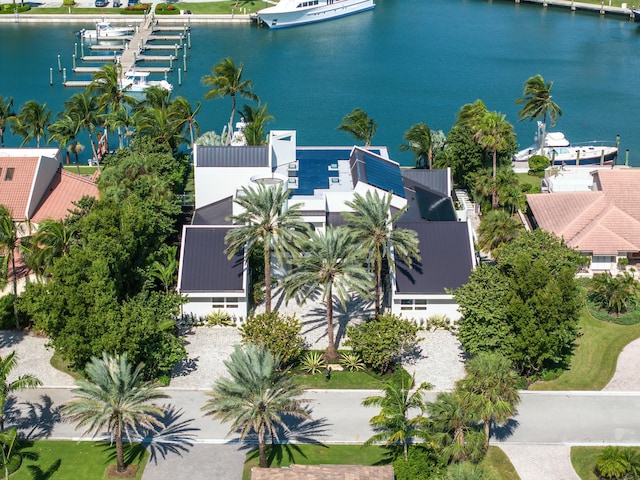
135	83
556	147
104	29
290	13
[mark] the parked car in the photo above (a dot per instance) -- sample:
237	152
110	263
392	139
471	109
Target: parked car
101	3
116	4
133	2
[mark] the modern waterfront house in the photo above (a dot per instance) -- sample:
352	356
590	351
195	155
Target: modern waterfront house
321	180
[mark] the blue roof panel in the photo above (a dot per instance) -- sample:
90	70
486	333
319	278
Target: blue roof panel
383	174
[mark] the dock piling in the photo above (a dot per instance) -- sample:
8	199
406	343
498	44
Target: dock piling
74	61
59	64
189	39
179	76
626	158
184	61
64	75
50	75
75	49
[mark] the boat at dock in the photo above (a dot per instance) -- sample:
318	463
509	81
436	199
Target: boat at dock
556	147
135	83
104	29
290	13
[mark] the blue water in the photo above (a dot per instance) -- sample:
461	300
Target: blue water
405	62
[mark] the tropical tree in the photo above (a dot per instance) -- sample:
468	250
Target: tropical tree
256	119
372	225
359	126
9	240
6	113
617	294
155	118
492	388
32	122
332	265
186	116
393	424
419	142
165	271
65	130
114	398
267	221
453	422
493	136
226	81
53	240
82	108
7	365
611	463
537	101
8	442
497	228
257	397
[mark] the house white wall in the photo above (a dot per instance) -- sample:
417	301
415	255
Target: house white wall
202	304
47	167
209	187
421	307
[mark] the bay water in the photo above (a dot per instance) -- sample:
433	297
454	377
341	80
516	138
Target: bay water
406	61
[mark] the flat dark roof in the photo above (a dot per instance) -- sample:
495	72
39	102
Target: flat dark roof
204	266
220	156
446	258
215	213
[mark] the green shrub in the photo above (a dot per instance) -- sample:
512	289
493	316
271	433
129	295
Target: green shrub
537	163
7	317
352	362
219	318
465	471
423	464
166	9
382	342
68	3
281	334
313	363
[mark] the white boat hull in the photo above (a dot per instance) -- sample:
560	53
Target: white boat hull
588	155
277	17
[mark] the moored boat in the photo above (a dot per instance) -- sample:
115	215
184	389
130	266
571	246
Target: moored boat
290	13
135	83
104	29
556	147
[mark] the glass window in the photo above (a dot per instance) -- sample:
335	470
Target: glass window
9	175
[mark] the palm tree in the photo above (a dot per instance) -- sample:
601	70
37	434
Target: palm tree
491	384
611	463
114	399
63	131
257	397
453	420
8	440
493	135
165	271
497	228
393	423
256	118
32	122
332	264
617	294
536	98
266	220
418	139
359	126
185	115
9	240
226	81
53	240
372	225
82	108
7	365
6	113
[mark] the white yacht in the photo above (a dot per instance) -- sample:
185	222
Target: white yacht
290	13
104	29
135	83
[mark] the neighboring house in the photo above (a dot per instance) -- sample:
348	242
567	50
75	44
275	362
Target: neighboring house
34	187
602	223
321	180
323	472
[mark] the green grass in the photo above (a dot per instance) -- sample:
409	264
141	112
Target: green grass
59	364
340	380
630	318
498	465
594	360
64	460
220	8
525	178
84	169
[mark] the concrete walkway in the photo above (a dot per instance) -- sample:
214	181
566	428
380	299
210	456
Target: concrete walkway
536	462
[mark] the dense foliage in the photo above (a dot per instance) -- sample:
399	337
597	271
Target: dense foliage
383	341
281	334
526	306
616	295
102	294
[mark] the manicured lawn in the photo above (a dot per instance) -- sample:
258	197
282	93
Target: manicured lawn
595	357
498	465
525	178
346	380
64	460
84	169
218	8
583	460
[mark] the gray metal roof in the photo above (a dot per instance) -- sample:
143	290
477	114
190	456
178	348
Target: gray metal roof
436	180
427	204
446	262
379	172
204	266
215	213
214	156
335	219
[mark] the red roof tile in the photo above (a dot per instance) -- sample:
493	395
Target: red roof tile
14	193
64	189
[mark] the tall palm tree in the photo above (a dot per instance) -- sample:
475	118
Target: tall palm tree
226	81
393	424
186	115
82	108
7	365
64	131
419	142
537	101
9	240
371	223
32	122
332	264
53	240
492	386
493	135
359	126
497	228
266	220
6	113
155	118
115	399
256	397
256	118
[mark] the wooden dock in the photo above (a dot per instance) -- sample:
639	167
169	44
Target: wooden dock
602	8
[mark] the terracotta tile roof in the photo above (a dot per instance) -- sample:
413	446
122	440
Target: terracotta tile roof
323	472
64	189
603	222
14	193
